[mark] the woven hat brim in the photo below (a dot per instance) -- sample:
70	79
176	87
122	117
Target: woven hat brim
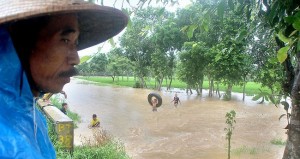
97	23
99	27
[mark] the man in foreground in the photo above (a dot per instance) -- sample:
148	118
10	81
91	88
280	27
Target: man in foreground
39	44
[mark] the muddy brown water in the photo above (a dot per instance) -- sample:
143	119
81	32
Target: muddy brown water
193	130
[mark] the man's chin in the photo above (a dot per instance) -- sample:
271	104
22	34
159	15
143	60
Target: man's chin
58	85
54	89
65	80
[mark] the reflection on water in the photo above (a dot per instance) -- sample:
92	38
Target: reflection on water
193	130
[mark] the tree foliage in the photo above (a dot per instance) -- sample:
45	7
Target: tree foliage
238	38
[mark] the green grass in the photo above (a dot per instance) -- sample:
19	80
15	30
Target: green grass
248	150
251	87
111	150
101	146
278	141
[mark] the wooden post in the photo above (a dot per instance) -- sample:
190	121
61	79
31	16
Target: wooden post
64	126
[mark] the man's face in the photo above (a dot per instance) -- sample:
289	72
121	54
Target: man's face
53	58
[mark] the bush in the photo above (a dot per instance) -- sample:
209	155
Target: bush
101	146
278	141
137	84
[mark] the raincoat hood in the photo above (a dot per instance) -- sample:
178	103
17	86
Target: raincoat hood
23	127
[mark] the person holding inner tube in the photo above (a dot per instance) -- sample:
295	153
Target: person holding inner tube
154	100
38	54
154	104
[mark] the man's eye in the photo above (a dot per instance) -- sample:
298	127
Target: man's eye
65	40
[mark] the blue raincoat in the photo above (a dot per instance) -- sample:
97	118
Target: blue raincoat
23	128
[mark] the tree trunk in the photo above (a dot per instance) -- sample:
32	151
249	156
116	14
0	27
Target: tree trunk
218	90
167	82
210	92
188	88
228	91
143	83
198	89
113	78
201	87
244	89
170	83
292	149
160	81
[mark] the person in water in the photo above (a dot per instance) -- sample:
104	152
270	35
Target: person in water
95	122
154	103
176	100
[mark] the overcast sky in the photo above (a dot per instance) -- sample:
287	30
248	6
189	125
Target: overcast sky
105	46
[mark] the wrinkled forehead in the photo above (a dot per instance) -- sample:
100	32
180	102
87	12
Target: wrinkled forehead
64	24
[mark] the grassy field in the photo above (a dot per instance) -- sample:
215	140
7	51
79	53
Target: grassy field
251	87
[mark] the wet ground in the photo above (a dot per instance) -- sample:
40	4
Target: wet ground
193	130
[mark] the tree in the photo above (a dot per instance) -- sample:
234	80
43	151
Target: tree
118	64
230	121
283	18
98	64
168	40
193	60
140	43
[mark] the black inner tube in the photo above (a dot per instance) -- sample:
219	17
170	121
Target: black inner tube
157	96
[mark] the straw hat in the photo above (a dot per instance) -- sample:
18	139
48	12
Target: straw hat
97	23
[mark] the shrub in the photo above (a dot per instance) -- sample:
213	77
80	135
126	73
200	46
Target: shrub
101	146
137	84
278	141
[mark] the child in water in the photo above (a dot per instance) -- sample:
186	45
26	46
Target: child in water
176	100
95	122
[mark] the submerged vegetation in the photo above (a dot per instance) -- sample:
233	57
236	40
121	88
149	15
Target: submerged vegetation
251	87
278	141
246	150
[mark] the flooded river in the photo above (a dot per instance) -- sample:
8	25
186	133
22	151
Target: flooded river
193	130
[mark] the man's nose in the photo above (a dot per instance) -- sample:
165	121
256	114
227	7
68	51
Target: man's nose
73	57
